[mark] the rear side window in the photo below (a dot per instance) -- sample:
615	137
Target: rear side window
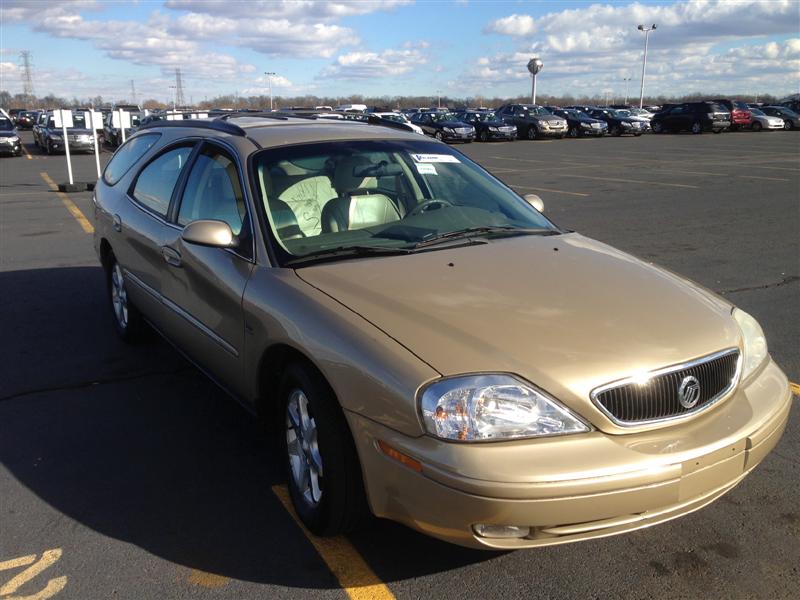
154	185
127	155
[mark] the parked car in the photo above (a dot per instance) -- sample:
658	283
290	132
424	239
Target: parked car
533	121
488	126
112	135
10	142
618	124
397	118
445	127
414	344
79	137
764	121
26	118
793	104
39	124
624	112
580	124
696	117
642	113
741	117
791	120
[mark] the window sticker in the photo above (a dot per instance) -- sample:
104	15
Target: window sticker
426	169
435	158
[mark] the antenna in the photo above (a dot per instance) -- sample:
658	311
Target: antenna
179	100
27	74
133	93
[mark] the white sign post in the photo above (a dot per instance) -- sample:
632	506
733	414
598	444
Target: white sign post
94	117
63	119
124	123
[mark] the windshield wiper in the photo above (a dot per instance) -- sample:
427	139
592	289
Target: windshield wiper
345	252
494	230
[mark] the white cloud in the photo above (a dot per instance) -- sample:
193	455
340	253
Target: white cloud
296	10
377	65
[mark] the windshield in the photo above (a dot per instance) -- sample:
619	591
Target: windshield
440	117
484	116
6	125
381	195
757	111
397	118
539	111
621	113
78	121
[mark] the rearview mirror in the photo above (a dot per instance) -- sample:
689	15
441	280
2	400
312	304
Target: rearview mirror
205	232
535	202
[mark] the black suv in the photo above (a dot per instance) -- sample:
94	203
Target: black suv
579	123
618	123
488	126
9	138
696	117
444	126
533	121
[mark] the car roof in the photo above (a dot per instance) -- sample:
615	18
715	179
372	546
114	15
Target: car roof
283	130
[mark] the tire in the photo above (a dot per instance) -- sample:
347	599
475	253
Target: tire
531	133
788	125
756	126
439	136
657	127
637	135
560	137
697	128
483	136
573	132
717	130
615	131
127	320
322	466
49	148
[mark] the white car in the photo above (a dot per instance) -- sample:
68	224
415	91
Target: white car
762	121
629	114
400	118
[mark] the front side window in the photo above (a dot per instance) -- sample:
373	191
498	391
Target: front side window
156	182
398	195
213	191
127	155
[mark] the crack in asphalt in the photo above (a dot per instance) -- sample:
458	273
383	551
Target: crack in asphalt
784	281
92	382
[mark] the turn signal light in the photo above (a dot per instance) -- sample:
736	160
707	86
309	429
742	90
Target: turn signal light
403	459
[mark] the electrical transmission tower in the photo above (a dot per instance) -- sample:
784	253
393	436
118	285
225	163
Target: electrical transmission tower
133	93
179	100
27	74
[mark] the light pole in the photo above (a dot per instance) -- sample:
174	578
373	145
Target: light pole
534	66
627	80
647	31
439	98
269	75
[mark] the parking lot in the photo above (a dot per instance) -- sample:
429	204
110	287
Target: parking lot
125	473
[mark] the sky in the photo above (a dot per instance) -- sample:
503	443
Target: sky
460	48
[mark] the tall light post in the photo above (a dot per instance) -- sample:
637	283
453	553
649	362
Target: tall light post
439	98
627	80
534	66
647	31
269	75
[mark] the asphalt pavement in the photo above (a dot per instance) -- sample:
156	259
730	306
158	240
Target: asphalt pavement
125	474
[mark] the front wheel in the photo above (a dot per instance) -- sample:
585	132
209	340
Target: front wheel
658	128
616	131
788	125
697	127
573	132
483	136
756	126
323	470
439	136
49	148
531	133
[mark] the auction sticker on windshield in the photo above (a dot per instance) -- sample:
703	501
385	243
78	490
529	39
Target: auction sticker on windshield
435	158
426	169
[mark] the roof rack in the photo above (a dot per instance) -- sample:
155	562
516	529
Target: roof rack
216	124
264	115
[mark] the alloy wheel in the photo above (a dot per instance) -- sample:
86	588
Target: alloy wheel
531	132
697	127
305	460
119	297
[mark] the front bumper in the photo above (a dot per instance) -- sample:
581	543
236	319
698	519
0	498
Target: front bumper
574	487
593	131
552	131
73	146
458	137
10	147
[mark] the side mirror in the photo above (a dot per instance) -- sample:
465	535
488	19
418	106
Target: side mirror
216	234
534	201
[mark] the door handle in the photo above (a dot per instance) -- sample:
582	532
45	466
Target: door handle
117	223
172	256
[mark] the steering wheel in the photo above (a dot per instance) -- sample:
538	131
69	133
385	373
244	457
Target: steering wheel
426	206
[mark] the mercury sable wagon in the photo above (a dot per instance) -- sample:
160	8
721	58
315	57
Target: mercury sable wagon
431	347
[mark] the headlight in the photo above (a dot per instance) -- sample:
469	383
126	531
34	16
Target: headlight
449	130
754	342
493	129
544	124
493	407
586	124
55	136
13	139
625	124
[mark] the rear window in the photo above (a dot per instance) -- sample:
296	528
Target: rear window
127	155
714	107
741	105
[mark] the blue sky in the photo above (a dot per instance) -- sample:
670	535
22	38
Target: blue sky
392	47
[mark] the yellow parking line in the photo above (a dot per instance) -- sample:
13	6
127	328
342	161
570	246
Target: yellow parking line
355	576
25	150
69	204
795	388
207	580
766	178
678	185
541	189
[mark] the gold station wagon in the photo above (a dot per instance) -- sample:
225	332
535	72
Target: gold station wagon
431	347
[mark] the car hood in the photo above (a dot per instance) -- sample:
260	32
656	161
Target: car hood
565	312
5	134
452	124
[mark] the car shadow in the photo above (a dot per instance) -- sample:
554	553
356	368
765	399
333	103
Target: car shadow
135	444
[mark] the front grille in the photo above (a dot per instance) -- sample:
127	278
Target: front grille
633	402
463	130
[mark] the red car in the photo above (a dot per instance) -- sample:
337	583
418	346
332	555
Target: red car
741	117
